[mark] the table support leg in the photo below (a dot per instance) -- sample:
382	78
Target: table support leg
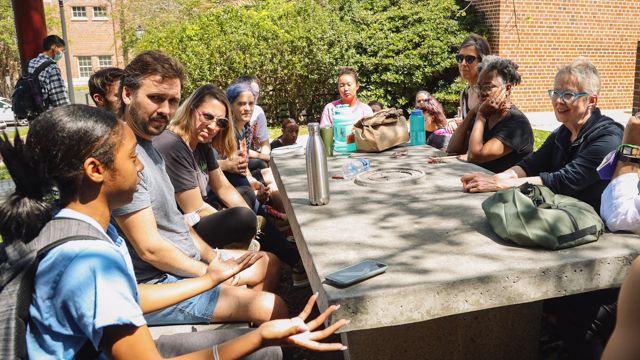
510	332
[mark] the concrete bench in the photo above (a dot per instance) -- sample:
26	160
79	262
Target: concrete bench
157	331
454	289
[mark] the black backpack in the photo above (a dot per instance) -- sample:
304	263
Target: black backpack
27	97
18	265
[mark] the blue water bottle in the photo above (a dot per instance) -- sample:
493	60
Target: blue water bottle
416	120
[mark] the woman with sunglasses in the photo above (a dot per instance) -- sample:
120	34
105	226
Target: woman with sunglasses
199	126
567	161
498	135
86	303
472	50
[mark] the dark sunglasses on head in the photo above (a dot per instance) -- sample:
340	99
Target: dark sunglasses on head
208	119
470	59
422	108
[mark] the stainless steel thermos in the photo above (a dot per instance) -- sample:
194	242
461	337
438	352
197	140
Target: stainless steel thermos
317	172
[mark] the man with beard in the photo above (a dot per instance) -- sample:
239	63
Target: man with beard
167	250
103	88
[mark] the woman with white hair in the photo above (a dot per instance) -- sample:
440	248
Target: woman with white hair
495	134
567	161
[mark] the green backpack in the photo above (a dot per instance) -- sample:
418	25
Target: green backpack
532	215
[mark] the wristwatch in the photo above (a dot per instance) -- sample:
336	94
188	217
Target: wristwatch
629	153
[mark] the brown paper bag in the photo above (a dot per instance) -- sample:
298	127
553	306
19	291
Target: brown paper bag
380	131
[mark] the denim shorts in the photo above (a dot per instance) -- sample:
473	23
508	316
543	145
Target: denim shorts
196	310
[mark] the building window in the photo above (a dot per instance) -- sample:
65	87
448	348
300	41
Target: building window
99	12
104	61
79	12
84	66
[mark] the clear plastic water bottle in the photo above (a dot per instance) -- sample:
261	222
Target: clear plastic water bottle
350	170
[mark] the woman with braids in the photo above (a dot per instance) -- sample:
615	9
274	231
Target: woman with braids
85	291
495	134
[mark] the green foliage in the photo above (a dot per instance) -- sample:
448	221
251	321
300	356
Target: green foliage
4	173
296	47
8	48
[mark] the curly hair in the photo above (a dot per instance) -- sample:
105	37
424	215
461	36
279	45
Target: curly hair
59	142
506	70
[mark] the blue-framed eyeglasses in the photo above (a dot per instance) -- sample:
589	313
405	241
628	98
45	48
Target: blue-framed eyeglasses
566	96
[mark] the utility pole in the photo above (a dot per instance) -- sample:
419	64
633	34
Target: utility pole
30	29
67	59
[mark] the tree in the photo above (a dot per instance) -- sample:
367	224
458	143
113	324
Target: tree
296	47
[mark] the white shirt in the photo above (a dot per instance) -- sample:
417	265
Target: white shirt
620	207
259	130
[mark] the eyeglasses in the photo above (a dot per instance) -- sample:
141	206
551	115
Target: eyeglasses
470	59
208	119
567	96
485	89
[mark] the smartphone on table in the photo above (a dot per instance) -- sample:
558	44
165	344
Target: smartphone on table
356	273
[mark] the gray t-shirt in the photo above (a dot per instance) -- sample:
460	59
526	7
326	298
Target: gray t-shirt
155	190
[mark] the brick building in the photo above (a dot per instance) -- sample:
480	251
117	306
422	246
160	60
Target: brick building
551	33
91	31
556	32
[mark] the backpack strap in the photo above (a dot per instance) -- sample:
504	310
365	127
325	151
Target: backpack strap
45	242
41	68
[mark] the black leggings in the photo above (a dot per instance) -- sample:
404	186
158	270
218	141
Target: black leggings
271	239
586	321
231	228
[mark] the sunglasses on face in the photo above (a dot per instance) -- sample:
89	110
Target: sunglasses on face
470	59
208	119
567	96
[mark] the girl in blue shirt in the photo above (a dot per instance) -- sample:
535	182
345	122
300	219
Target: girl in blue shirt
85	290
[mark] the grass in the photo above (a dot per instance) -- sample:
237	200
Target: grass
539	138
10	131
82	88
4	173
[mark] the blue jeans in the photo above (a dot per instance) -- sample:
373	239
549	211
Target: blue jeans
196	310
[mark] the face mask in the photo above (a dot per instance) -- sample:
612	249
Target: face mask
58	56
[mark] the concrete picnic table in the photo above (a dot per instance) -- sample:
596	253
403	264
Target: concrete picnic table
454	289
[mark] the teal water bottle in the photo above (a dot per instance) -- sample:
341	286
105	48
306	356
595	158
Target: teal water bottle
418	136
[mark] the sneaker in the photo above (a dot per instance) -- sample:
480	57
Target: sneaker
300	279
261	222
280	219
254	246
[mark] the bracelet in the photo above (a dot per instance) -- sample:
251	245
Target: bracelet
629	150
215	352
629	159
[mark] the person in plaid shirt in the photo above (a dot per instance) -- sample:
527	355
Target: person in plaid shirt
53	89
